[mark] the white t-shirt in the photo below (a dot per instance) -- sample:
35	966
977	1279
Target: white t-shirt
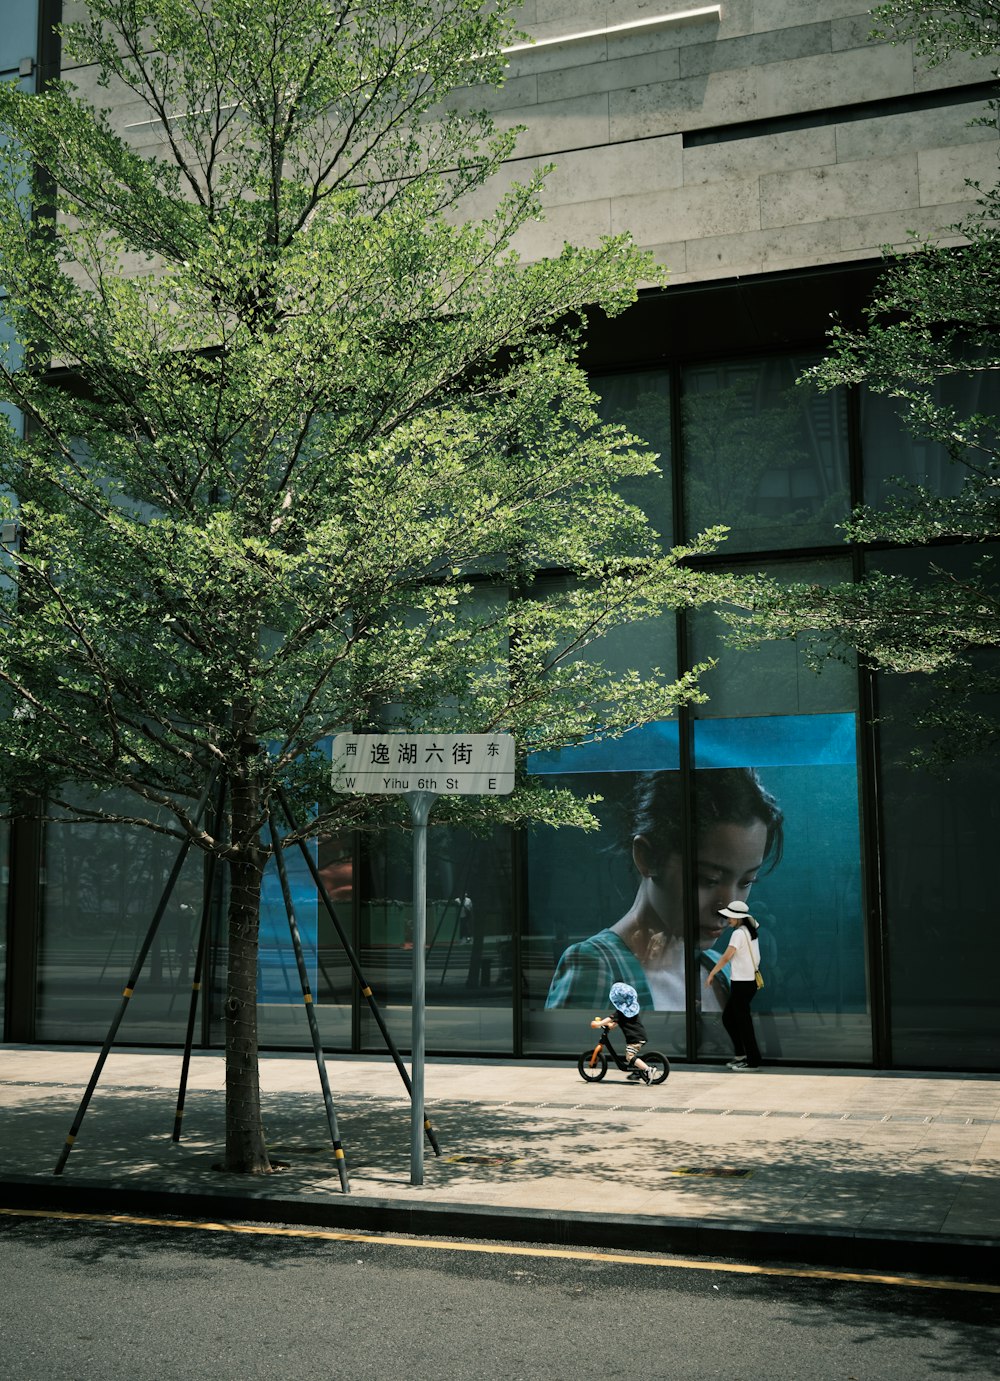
666	983
747	955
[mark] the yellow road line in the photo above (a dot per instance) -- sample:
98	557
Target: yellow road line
498	1249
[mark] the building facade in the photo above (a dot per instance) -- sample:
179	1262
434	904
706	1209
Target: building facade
766	151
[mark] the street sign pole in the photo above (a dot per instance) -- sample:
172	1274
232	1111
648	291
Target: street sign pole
422	767
420	808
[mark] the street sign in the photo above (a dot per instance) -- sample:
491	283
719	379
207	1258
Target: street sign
422	767
445	764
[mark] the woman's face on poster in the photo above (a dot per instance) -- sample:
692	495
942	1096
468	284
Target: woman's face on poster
729	858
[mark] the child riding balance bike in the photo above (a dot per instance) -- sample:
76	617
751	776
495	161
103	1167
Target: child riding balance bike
651	1068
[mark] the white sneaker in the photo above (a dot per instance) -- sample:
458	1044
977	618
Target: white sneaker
738	1063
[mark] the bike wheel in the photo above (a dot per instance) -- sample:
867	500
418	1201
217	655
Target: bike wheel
593	1065
658	1064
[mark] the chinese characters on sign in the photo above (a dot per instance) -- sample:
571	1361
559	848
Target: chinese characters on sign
446	764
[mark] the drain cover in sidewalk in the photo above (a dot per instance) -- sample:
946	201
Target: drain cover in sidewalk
713	1172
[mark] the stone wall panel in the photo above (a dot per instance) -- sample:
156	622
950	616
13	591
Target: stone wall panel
833	79
895	229
822	194
944	172
763	251
885	135
780	14
689	213
756	50
808	148
723	98
660	65
619	170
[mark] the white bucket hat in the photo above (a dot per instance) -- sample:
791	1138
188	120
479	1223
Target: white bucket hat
625	998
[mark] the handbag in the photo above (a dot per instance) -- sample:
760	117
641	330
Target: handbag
758	977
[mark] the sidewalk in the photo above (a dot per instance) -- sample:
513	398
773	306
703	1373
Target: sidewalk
887	1170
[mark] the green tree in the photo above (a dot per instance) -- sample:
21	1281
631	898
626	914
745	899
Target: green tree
934	322
300	437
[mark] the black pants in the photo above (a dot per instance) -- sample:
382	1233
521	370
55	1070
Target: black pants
738	1022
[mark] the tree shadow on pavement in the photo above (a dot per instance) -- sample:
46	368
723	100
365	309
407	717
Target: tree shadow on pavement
834	1177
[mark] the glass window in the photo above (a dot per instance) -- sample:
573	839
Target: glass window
775	677
641	402
103	883
4	892
281	1014
891	452
578	883
939	830
796	729
774	821
589	921
648	646
765	457
12	355
14	45
469	938
469	631
19	33
814	1005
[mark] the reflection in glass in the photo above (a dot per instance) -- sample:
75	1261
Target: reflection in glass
282	1019
944	1008
469	961
640	401
647	646
4	884
18	36
892	452
940	832
103	883
763	456
12	355
774	678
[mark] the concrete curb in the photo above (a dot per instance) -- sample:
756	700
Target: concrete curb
963	1257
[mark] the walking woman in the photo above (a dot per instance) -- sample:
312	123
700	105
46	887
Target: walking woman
743	953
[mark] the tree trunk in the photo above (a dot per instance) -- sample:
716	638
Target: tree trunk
246	1150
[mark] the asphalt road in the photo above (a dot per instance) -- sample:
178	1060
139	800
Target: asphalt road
107	1299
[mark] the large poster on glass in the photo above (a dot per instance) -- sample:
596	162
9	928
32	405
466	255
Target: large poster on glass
771	818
